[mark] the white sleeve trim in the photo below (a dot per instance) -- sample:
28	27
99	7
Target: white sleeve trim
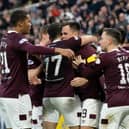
23	40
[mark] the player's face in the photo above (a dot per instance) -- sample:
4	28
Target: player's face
45	39
26	25
66	33
104	41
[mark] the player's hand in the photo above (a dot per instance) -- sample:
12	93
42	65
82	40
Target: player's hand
78	60
65	52
32	77
35	81
78	81
85	39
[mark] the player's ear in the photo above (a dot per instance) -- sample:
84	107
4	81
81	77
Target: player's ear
110	40
20	24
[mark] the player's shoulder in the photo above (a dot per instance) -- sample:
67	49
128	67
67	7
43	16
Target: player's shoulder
20	38
98	58
107	55
14	34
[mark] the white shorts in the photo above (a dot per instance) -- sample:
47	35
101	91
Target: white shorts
114	117
16	111
90	112
2	123
69	107
37	117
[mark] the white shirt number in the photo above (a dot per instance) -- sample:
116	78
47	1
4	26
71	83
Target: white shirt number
124	71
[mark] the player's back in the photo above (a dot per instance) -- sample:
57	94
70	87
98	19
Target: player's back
59	72
92	89
116	67
14	65
36	92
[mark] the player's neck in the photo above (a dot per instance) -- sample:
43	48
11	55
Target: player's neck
111	47
56	40
17	29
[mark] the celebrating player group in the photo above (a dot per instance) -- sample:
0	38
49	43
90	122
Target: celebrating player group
83	77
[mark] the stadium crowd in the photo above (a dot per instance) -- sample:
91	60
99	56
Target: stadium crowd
93	15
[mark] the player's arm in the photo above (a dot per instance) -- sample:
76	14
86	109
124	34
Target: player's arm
44	50
33	75
34	68
90	68
75	43
87	39
65	52
31	49
78	81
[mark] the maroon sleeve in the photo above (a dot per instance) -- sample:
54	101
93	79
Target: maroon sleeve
91	71
22	43
73	43
33	62
126	47
36	49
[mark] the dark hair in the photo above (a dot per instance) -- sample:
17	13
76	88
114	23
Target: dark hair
73	25
17	16
54	30
123	34
114	33
44	29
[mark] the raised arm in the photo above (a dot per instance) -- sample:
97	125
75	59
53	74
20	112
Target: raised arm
78	81
33	75
44	50
89	71
87	39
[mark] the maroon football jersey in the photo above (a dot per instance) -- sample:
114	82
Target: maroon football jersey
59	71
126	47
115	67
92	89
36	92
13	53
33	61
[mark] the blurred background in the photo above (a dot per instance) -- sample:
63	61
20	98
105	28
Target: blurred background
93	15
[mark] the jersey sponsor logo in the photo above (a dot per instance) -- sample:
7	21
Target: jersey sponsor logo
23	40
